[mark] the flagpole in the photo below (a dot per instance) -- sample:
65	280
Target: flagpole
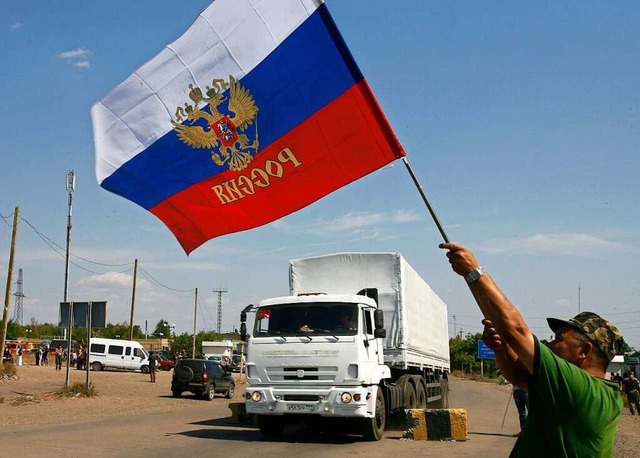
426	201
437	221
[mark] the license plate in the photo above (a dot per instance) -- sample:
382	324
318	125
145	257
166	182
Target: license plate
301	407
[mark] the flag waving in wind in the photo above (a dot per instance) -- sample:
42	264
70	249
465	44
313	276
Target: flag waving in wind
256	111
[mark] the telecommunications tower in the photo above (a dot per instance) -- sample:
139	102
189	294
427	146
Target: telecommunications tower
19	294
220	291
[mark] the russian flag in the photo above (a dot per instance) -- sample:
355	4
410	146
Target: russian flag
256	111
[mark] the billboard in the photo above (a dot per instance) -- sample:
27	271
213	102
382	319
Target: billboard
80	311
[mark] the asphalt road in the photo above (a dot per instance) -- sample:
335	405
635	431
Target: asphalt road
206	428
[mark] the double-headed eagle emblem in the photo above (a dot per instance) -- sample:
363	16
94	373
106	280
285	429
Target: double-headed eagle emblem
207	127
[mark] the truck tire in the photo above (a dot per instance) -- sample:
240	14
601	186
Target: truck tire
421	396
410	400
96	366
144	369
271	426
373	428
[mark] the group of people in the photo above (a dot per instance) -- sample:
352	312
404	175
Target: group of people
79	358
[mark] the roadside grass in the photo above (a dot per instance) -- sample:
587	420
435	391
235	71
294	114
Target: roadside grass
8	369
78	389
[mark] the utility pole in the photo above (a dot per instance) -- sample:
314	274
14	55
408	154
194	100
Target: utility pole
454	325
71	187
220	291
133	298
7	293
195	314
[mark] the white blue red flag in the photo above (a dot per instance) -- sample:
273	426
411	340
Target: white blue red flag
256	111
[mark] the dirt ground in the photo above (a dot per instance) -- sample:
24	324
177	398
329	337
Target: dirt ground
27	401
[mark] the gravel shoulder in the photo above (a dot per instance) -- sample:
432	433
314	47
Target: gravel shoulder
29	399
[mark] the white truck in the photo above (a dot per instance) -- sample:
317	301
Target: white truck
361	335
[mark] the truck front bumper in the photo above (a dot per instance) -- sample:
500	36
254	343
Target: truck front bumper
354	401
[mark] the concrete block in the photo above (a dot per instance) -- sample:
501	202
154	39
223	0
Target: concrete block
239	413
436	424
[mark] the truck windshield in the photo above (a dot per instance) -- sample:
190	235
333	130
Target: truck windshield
312	319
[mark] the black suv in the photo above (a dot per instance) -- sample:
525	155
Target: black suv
202	377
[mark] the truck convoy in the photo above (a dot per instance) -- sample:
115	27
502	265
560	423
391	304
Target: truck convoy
360	336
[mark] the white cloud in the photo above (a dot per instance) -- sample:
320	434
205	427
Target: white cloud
77	53
15	25
81	64
78	58
567	244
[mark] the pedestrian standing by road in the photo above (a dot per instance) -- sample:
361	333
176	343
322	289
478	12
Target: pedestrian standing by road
153	366
59	354
19	353
521	399
632	391
574	410
45	356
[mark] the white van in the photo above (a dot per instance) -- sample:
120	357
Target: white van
118	354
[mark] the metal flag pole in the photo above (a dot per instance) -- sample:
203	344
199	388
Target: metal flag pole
437	221
426	201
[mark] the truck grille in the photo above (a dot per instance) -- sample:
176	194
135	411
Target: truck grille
281	374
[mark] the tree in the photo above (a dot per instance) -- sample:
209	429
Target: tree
163	328
464	354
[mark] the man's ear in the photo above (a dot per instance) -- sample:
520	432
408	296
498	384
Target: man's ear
587	349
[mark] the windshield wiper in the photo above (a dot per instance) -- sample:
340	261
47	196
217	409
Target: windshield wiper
279	334
326	331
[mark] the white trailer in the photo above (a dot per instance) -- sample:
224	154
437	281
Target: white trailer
361	335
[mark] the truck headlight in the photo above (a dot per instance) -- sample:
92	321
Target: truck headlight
345	397
256	396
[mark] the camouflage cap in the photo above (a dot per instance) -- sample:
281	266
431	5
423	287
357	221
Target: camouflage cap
601	332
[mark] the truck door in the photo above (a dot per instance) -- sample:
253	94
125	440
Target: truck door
367	328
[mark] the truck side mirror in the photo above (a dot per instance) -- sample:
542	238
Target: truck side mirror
380	333
243	331
378	318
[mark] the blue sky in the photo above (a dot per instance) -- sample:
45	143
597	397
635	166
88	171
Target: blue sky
521	120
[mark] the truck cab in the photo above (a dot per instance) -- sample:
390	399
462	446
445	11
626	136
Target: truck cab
316	354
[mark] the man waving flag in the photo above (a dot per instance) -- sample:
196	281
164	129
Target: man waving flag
256	111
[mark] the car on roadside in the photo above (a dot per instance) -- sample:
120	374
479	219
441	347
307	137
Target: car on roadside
202	377
164	363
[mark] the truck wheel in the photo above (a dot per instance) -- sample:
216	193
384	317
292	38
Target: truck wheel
230	391
144	369
271	426
96	366
176	393
373	428
410	401
421	396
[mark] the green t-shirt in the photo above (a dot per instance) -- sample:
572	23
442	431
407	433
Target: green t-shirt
572	413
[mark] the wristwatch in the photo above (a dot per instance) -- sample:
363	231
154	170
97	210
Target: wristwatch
475	274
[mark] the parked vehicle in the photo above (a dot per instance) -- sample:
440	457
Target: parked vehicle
117	354
325	352
164	363
236	362
202	377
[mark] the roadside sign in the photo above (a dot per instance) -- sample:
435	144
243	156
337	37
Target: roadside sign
485	352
